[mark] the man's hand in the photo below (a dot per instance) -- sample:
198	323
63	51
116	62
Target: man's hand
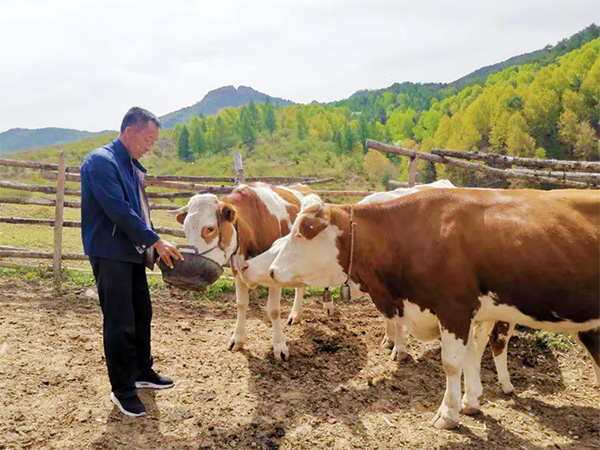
166	251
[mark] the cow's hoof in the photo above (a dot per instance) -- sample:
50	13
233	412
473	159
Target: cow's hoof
293	319
235	344
387	343
329	308
443	424
508	389
470	410
399	355
281	352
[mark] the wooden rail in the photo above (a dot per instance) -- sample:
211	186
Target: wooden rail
76	224
535	163
540	177
67	204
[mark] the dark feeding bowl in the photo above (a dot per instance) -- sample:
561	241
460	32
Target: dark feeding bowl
194	273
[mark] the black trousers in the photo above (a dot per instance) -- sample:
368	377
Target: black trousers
127	310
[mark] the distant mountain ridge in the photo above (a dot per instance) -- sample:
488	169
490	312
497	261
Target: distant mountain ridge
543	56
23	138
422	95
217	99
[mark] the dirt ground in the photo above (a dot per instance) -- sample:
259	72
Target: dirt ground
338	390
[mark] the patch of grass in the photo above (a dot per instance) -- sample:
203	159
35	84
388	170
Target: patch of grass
220	287
548	339
31	275
78	279
155	283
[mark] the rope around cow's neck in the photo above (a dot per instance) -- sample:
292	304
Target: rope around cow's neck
237	246
351	244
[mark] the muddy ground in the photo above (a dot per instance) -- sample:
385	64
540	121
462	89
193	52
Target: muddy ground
338	390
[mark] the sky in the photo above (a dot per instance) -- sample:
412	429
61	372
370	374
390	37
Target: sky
82	63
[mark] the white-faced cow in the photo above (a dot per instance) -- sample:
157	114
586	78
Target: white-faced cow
241	225
444	260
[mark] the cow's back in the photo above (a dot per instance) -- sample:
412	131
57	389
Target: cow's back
529	247
264	213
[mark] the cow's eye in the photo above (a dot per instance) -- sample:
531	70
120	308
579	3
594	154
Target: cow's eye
210	229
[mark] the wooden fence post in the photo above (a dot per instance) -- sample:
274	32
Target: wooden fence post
238	169
58	218
412	170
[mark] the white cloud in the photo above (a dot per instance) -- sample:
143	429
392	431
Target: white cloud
82	63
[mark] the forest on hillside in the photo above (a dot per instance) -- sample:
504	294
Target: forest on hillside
546	108
531	110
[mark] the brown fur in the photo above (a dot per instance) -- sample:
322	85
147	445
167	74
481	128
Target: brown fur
498	337
442	248
257	227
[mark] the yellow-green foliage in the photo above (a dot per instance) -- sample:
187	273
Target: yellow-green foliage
527	108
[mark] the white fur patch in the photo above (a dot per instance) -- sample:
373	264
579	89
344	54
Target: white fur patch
380	197
202	212
274	202
299	195
314	262
489	310
421	323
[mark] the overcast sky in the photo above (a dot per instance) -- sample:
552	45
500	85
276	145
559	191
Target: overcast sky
82	63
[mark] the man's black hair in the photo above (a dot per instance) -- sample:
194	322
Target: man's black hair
138	116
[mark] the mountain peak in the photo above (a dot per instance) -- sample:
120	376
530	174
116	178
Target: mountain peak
217	99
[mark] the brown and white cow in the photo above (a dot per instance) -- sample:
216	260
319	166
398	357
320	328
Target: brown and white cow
442	261
255	271
241	225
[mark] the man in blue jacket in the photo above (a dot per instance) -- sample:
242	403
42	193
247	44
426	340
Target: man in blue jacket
120	242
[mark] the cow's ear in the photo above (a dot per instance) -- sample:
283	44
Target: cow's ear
228	212
309	227
179	213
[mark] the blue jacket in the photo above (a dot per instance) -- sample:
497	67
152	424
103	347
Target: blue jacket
111	216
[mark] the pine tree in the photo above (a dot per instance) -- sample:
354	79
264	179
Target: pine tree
254	114
349	138
197	140
269	121
247	128
183	144
302	127
220	136
363	132
337	140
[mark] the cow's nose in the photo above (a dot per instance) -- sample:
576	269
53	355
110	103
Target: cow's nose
244	266
272	274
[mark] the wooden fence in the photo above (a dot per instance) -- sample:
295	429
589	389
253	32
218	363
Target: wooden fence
573	174
63	173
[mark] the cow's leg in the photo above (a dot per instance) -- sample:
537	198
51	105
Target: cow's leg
280	349
296	313
242	298
499	337
478	339
454	350
328	305
399	351
389	339
591	341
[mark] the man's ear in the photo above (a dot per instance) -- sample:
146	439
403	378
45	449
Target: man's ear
309	227
181	217
228	212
